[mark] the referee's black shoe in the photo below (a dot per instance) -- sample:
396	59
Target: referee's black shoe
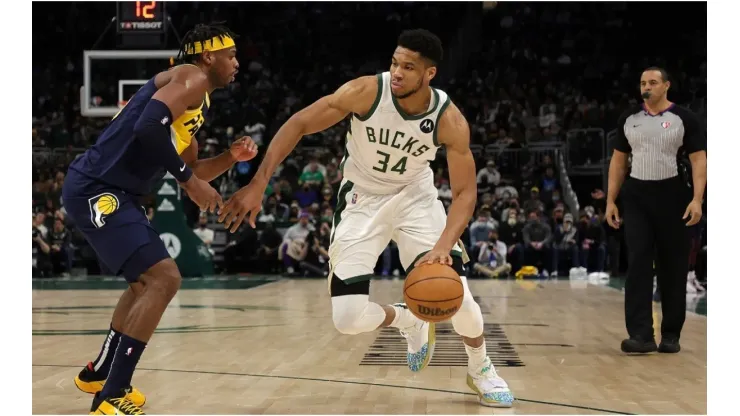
638	345
669	345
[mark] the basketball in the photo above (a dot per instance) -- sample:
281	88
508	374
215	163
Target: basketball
433	292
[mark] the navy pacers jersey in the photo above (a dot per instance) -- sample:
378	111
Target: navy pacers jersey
119	160
102	187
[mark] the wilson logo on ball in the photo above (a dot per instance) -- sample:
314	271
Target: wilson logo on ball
423	310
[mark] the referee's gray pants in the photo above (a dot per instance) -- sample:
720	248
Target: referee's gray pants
656	235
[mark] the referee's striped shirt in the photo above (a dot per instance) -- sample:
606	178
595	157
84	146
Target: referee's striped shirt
654	140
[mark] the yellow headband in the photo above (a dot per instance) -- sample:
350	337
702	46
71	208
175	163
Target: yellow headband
195	48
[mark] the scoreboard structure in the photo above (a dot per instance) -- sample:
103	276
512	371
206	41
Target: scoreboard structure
140	17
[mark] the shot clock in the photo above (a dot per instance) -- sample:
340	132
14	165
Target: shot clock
140	17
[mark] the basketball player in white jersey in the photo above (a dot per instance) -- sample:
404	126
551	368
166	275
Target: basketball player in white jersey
397	124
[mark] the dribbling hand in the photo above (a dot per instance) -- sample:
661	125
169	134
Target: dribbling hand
612	215
203	194
435	256
247	200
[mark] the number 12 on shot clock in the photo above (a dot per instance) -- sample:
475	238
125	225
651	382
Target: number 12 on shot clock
141	16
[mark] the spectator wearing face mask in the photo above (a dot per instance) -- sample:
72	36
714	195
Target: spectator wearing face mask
493	177
272	211
203	232
534	203
506	192
328	196
306	195
294	240
479	230
537	237
512	205
492	257
510	233
565	244
557	216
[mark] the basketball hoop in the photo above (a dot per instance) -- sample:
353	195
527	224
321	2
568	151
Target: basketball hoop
122	103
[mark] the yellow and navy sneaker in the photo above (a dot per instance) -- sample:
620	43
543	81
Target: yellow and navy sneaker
115	405
491	389
421	340
88	382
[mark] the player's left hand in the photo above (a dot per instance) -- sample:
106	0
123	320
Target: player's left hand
243	149
693	210
435	256
246	201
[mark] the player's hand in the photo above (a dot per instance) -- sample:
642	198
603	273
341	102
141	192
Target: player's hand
694	211
247	200
202	194
435	256
612	215
243	149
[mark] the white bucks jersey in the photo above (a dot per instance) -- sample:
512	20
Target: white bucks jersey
388	149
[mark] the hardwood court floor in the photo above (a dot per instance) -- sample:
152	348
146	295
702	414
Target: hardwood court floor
273	349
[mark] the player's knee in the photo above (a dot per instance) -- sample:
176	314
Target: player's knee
468	321
165	280
347	313
344	322
355	314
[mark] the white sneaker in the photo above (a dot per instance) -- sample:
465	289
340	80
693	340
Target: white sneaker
491	389
421	340
690	287
694	282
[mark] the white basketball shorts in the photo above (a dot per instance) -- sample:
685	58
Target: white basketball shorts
364	223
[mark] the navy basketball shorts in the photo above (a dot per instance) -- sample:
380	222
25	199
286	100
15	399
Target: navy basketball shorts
118	230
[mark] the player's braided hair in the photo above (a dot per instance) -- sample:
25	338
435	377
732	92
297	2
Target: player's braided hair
426	43
201	33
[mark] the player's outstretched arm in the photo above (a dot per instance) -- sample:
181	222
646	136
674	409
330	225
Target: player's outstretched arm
356	96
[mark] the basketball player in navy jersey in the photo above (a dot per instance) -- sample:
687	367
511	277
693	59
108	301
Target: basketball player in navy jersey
152	134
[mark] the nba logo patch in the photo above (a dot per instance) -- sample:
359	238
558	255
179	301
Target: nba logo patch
354	198
665	124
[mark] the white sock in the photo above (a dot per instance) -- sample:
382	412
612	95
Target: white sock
404	318
476	356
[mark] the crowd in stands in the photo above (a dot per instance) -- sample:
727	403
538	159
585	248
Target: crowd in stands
520	92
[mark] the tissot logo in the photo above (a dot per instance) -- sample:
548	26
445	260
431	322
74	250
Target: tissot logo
141	25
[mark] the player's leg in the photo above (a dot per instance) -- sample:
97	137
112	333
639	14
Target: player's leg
152	268
361	231
119	232
92	378
420	223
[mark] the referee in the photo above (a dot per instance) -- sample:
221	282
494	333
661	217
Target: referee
659	207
